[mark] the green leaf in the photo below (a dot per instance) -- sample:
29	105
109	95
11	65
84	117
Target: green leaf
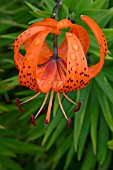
99	4
94	116
89	161
56	134
100	16
106	164
102	142
19	147
105	107
110	144
104	85
9	163
61	150
50	4
108	34
84	133
79	116
108	72
82	5
69	157
63	12
71	4
40	13
51	127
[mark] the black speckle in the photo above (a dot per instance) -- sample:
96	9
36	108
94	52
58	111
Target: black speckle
28	74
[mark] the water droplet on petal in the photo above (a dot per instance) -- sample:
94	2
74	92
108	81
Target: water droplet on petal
75	47
30	57
37	42
73	56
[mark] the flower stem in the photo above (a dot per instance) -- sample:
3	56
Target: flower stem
56	9
55	38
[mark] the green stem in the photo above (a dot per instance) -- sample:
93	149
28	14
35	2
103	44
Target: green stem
55	38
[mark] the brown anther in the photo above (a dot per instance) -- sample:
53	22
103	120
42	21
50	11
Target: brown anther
46	122
19	105
33	120
69	122
78	108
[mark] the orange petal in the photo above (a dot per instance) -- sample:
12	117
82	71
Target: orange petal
94	70
27	74
82	35
45	76
45	52
62	50
50	23
46	22
77	71
23	37
64	24
59	78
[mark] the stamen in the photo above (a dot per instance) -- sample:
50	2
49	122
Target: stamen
69	122
42	105
19	105
30	98
33	120
49	108
78	108
69	99
59	100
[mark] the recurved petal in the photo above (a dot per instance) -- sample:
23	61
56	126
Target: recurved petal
82	35
46	22
77	71
95	69
22	38
27	74
64	24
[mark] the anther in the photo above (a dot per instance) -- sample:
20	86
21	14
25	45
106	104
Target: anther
19	105
69	122
33	120
46	122
78	108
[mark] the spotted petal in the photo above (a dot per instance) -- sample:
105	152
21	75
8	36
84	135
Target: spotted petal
79	31
18	58
27	74
95	69
77	70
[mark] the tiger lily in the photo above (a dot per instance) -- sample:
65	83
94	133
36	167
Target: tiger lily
63	70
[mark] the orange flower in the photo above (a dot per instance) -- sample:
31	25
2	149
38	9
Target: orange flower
61	71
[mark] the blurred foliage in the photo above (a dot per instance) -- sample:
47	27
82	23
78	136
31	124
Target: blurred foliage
88	144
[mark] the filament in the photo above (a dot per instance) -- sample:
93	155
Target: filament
30	98
49	108
59	100
69	99
42	105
